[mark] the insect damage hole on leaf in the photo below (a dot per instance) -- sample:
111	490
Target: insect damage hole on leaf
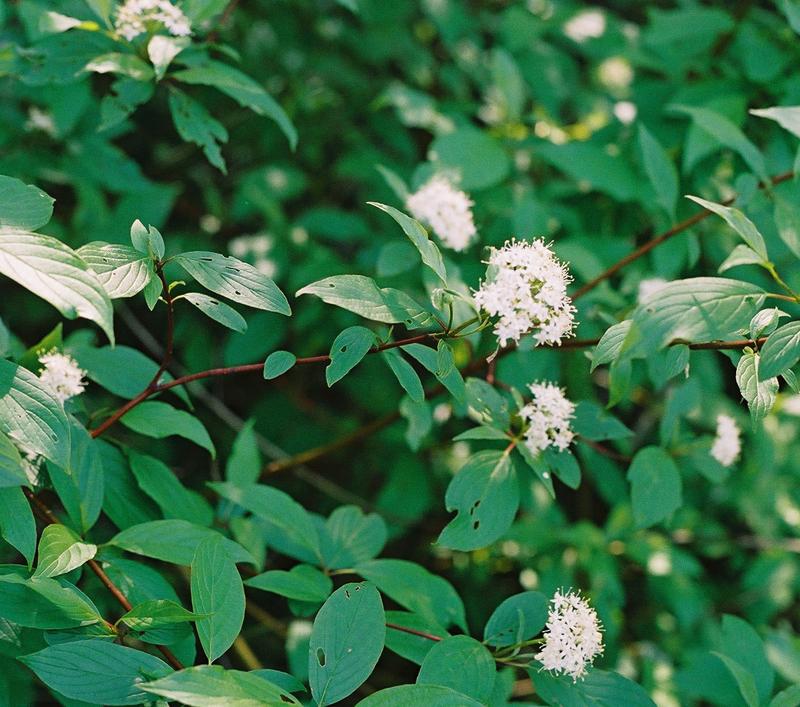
321	657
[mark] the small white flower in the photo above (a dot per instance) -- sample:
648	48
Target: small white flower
547	415
588	24
727	446
138	16
572	636
446	210
526	286
61	373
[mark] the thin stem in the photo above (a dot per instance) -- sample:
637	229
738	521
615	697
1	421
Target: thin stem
414	632
50	517
674	231
772	271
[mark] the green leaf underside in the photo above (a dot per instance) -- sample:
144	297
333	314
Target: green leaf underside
60	551
416	589
214	686
97	671
655	486
156	613
360	294
780	351
485	493
697	309
759	394
234	279
153	418
346	642
419	237
217	590
54	272
121	269
461	663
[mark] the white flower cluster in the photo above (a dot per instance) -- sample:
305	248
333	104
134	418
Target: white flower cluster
138	16
526	286
61	373
446	210
254	250
547	415
727	446
572	636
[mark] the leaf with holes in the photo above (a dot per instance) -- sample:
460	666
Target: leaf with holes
216	590
346	641
697	309
780	351
655	486
362	295
54	272
347	351
519	618
121	269
235	280
759	394
218	311
61	551
97	671
419	237
214	686
485	493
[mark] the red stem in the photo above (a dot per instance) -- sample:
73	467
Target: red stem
414	632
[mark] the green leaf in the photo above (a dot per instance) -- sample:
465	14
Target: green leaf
742	643
445	359
124	64
12	472
54	272
104	364
218	311
728	134
302	583
175	501
242	89
519	618
153	418
594	423
483	432
788	224
347	351
418	696
44	603
96	671
195	124
235	280
429	358
787	117
162	49
61	551
125	96
780	351
121	269
147	241
277	363
405	374
23	206
744	680
485	493
214	686
157	613
564	465
740	255
419	237
598	689
217	590
655	486
353	537
360	294
285	681
102	8
244	464
407	645
173	541
697	309
660	170
416	589
291	529
790	697
739	223
759	394
79	482
460	663
346	641
17	524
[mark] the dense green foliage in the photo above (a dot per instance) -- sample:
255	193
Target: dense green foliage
317	484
